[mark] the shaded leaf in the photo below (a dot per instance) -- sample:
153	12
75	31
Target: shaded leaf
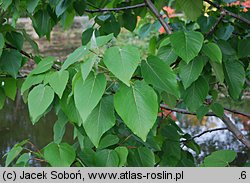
100	120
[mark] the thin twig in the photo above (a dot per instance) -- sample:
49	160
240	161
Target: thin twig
221	9
39	152
183	111
237	112
211	31
231	127
152	7
116	9
21	51
237	133
29	56
41	160
204	132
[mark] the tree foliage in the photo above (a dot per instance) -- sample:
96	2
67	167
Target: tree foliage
111	93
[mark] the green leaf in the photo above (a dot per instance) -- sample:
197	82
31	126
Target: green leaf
76	56
106	158
2	43
84	141
103	40
160	75
226	49
138	107
10	62
187	45
31	5
170	132
141	157
12	154
5	4
108	140
43	66
39	100
218	70
41	21
128	21
80	6
122	62
67	105
111	26
67	18
86	35
58	81
10	87
244	48
88	93
169	99
191	8
202	111
15	39
172	149
23	160
2	98
167	54
87	65
190	72
213	51
220	158
59	127
100	120
122	154
234	76
32	43
224	32
195	95
62	7
59	155
30	81
217	109
194	146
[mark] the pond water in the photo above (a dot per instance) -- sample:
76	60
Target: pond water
16	126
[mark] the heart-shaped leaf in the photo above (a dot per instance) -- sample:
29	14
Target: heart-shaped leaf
59	155
138	107
187	45
122	62
88	93
39	100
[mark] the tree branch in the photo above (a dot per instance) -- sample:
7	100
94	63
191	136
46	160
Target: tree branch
221	9
237	112
211	31
204	132
231	127
21	51
183	111
237	133
116	9
152	7
29	56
